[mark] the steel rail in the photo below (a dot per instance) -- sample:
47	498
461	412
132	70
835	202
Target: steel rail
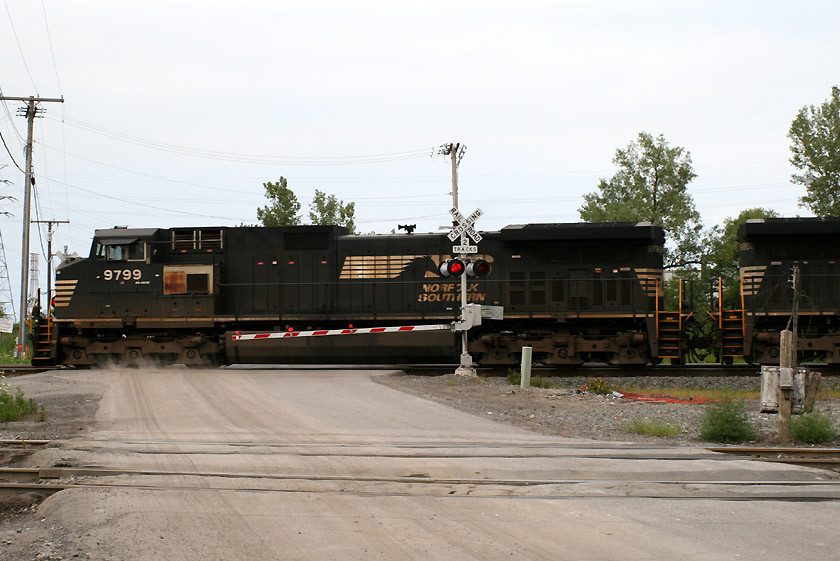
820	491
53	473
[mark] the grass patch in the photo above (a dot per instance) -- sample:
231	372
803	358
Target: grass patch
828	393
652	427
514	378
726	421
689	393
539	382
813	428
13	405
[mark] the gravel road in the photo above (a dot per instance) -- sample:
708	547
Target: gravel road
561	412
107	418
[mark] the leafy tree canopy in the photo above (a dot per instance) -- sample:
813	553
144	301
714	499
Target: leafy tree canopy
651	186
283	208
815	136
326	209
722	251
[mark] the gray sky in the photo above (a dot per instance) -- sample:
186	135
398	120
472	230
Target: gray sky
176	112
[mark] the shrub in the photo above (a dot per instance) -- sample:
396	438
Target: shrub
726	421
813	428
14	406
514	377
597	385
652	427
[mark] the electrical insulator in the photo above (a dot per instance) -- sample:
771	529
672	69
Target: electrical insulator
452	268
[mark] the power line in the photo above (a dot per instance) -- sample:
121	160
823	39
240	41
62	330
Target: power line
52	52
10	153
250	158
20	49
120	199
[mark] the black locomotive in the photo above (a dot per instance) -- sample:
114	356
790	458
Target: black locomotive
573	292
771	249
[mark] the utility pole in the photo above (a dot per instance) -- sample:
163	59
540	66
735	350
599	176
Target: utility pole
49	224
795	281
456	154
30	111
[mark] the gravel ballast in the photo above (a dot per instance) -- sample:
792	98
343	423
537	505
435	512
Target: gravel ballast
560	411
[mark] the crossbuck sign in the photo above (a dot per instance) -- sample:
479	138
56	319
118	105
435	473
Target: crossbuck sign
465	230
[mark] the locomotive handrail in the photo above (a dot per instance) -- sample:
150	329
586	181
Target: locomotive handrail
656	299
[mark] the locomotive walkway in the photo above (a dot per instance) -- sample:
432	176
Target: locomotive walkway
271	464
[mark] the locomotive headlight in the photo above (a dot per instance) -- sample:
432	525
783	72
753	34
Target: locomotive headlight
452	268
478	268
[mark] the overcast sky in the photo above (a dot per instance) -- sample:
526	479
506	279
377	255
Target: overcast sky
177	112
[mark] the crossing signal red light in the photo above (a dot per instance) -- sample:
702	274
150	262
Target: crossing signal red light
452	268
478	268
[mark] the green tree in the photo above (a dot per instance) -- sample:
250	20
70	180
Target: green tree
651	186
326	209
815	133
283	208
722	251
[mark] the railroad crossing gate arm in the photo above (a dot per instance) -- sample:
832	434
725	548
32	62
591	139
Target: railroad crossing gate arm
333	332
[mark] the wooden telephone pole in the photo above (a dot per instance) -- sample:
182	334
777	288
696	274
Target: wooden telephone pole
30	111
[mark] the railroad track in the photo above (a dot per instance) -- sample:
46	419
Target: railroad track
601	370
18	369
825	458
587	370
37	483
15	450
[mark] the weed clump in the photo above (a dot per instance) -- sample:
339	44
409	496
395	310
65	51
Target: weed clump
598	386
514	378
813	428
652	427
13	405
727	422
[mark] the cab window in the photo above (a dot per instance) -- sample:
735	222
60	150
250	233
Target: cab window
135	251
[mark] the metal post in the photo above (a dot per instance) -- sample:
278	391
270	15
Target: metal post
525	368
795	316
50	255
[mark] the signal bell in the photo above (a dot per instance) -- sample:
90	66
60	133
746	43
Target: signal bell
452	268
478	268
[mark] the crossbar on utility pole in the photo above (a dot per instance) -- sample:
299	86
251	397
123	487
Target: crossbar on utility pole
30	112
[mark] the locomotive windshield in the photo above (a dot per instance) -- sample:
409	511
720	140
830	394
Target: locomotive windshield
127	251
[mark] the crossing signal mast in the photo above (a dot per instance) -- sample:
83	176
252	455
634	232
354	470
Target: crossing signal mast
463	266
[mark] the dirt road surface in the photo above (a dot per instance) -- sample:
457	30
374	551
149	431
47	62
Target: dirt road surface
311	465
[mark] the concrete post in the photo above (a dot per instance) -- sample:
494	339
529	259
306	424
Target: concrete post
525	368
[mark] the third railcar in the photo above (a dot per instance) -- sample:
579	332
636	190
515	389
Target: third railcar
770	249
